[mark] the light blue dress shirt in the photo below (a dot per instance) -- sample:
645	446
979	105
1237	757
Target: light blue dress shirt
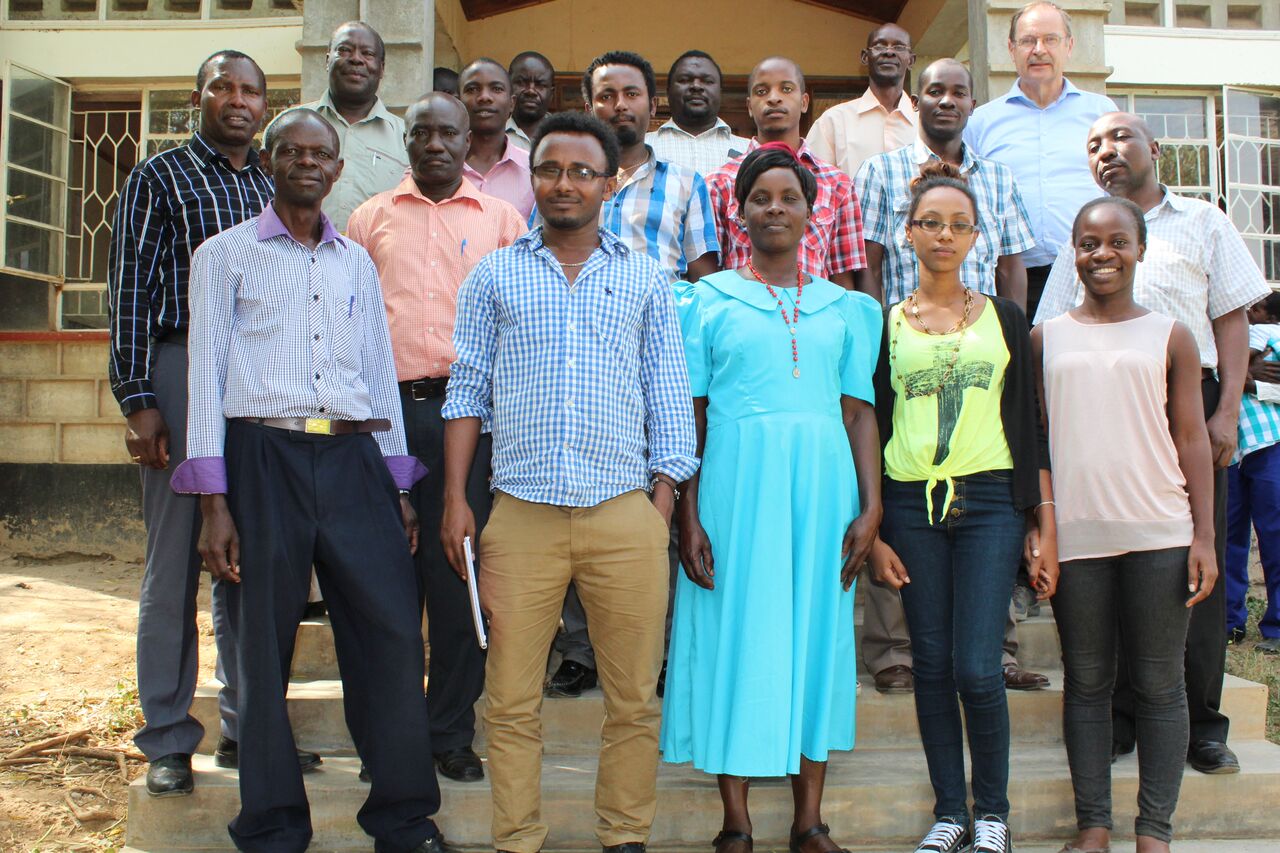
1046	149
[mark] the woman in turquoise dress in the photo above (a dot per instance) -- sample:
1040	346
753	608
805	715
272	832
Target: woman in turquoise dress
761	674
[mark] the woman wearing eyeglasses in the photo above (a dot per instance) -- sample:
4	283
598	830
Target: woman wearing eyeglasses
965	492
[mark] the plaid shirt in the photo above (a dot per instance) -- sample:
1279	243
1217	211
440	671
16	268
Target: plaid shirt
832	241
703	153
171	204
586	384
1260	420
884	189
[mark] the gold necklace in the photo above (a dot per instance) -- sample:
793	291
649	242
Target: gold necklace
960	326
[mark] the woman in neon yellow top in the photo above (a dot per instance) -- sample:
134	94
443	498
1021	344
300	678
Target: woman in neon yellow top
962	497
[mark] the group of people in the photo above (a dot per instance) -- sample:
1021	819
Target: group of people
579	350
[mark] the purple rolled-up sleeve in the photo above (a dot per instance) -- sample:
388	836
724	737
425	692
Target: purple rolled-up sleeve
207	475
405	470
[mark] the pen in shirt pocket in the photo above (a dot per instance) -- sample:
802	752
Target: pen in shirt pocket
463	249
351	305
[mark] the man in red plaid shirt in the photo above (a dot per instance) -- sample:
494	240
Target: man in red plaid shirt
832	246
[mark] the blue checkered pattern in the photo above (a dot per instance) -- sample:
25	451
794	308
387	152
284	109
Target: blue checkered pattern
1260	420
883	184
586	385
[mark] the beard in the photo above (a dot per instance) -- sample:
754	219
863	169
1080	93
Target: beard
627	135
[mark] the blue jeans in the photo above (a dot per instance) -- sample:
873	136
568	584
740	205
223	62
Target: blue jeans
962	571
1253	500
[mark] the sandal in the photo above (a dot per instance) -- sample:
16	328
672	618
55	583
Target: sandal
800	838
728	836
1067	848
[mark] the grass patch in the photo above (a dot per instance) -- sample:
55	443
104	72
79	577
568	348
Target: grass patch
1243	661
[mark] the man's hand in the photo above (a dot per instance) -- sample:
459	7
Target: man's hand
1223	436
219	544
1261	370
410	519
1202	570
457	523
147	438
664	500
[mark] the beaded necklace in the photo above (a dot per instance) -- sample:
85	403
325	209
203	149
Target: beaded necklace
793	321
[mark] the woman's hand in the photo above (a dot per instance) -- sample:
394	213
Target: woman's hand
1202	570
695	552
1040	550
886	567
857	545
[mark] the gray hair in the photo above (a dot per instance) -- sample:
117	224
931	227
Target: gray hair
1017	16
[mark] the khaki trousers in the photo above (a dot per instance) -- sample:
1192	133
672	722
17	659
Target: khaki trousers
615	553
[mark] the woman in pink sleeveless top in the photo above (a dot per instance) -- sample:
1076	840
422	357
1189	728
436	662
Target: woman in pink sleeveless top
1133	490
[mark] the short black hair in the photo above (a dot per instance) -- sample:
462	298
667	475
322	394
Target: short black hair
694	54
478	61
937	174
751	78
531	54
576	122
202	74
382	47
762	160
439	72
289	117
1139	218
1271	303
620	57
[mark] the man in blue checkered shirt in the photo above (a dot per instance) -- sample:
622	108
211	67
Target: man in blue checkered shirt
567	342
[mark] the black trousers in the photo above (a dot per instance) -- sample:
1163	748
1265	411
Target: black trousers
1036	278
299	499
1206	657
455	676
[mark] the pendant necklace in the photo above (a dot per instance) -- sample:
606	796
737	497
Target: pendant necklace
794	320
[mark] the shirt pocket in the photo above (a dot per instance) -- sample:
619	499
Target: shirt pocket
346	323
615	317
816	244
387	168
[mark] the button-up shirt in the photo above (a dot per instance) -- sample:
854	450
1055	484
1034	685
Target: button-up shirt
1046	149
586	383
373	156
423	250
703	153
1196	269
516	136
832	242
280	330
850	133
1260	411
171	204
507	179
884	189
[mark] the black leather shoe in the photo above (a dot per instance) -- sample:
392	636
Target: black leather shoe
628	847
570	680
228	755
434	844
170	776
1213	757
662	681
315	610
460	765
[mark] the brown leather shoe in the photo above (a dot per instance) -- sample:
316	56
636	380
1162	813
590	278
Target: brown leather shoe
1023	679
895	679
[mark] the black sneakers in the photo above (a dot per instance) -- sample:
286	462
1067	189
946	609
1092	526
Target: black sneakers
946	836
991	835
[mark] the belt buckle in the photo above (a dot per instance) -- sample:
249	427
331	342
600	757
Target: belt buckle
319	426
418	390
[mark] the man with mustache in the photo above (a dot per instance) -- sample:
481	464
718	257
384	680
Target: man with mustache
994	266
882	119
695	137
425	236
832	247
370	135
297	451
171	204
494	164
1198	271
660	209
533	80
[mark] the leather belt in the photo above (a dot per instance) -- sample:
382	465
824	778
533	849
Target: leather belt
322	426
425	389
172	336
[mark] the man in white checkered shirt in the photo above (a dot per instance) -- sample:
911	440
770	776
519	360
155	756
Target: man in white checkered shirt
1198	271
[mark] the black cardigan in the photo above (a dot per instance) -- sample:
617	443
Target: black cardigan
1019	408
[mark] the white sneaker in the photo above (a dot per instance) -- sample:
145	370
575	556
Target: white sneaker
991	835
946	836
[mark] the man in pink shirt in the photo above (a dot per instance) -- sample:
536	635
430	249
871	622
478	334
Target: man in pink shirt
424	236
493	164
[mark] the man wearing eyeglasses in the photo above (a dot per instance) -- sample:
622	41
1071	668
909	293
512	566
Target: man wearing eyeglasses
1038	129
882	119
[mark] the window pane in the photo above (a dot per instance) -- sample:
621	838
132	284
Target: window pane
33	249
37	147
38	97
84	309
1173	118
171	112
1251	114
35	197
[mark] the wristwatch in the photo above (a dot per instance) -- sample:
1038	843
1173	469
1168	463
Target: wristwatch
663	478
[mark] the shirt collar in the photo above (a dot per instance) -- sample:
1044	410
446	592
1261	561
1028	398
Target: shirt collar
513	128
379	111
204	154
408	188
1175	202
609	242
868	102
720	128
1015	93
643	170
270	225
923	154
804	152
818	292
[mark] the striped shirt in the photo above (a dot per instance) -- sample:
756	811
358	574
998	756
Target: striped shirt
171	204
279	330
1260	418
703	153
832	242
884	189
423	250
1195	270
586	385
507	179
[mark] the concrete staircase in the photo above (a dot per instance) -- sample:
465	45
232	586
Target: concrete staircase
878	796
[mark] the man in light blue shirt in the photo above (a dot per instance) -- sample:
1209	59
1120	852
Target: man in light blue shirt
1038	129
